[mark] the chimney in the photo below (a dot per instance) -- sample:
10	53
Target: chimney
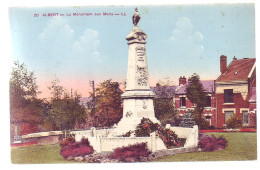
182	80
223	64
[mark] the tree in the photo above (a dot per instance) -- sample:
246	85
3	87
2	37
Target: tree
163	103
66	110
196	94
57	90
25	108
108	109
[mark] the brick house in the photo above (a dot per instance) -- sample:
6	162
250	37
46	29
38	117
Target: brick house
236	91
184	105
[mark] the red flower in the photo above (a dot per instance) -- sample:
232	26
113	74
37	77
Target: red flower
146	125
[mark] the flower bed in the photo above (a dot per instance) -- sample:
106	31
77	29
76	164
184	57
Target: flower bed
211	143
70	148
131	153
146	127
229	130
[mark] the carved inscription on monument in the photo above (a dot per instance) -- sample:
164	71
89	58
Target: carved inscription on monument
144	104
140	52
128	114
142	75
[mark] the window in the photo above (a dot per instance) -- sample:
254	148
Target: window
183	102
208	101
228	115
208	118
245	117
228	96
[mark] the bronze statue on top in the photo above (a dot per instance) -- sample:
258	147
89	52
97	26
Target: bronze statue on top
136	17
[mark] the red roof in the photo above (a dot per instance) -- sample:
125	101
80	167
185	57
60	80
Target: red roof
238	70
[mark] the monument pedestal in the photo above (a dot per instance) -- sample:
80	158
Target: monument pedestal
138	97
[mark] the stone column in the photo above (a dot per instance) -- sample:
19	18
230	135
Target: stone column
138	98
153	142
98	144
93	131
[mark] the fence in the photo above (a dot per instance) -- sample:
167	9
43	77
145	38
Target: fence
101	143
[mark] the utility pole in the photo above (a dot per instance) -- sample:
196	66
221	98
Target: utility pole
92	84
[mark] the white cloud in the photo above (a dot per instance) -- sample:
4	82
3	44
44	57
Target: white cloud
186	42
56	30
62	50
87	45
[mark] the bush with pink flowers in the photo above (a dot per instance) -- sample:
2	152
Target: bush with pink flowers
75	149
67	141
131	153
211	143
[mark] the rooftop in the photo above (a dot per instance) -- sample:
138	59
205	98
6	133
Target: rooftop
164	91
238	70
208	86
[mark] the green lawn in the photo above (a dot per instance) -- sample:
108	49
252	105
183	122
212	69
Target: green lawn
241	146
37	154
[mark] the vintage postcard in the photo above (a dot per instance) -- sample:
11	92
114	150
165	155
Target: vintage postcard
124	84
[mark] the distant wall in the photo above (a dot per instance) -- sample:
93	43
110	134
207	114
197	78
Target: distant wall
43	138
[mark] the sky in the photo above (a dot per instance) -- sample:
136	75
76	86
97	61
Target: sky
181	40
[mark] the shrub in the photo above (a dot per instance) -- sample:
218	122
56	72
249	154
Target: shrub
234	122
131	153
146	127
169	138
67	141
203	123
211	143
74	149
29	128
80	151
85	142
128	134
